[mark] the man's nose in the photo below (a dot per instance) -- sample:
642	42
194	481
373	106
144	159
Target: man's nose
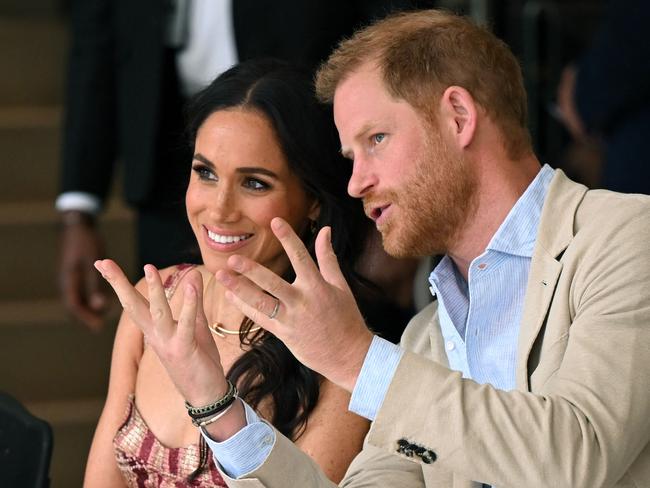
363	178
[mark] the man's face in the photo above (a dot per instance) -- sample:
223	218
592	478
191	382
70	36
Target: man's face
415	184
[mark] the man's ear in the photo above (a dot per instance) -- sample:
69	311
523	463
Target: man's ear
459	112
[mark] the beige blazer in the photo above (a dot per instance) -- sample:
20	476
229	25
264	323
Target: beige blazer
580	416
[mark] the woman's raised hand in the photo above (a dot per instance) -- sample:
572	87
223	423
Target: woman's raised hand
184	346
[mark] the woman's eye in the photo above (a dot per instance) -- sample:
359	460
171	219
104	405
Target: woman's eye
204	173
378	138
255	184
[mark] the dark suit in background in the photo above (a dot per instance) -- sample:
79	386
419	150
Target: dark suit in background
123	103
123	99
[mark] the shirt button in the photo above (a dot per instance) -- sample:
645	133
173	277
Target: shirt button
450	346
268	440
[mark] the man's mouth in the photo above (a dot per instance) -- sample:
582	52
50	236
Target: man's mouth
376	212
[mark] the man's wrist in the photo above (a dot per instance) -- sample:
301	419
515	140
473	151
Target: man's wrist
71	218
355	361
376	374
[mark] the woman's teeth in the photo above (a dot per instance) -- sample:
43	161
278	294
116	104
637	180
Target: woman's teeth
227	239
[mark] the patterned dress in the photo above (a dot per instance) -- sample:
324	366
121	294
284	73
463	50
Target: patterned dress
144	461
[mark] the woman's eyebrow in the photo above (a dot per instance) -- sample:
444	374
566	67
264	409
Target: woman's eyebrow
256	169
242	169
203	159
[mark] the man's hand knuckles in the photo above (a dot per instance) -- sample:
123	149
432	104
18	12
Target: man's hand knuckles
274	287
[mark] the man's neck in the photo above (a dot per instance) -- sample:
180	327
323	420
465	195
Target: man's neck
500	186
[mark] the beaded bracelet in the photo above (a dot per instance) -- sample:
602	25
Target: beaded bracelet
209	420
199	413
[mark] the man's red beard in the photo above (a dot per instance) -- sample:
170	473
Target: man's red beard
432	205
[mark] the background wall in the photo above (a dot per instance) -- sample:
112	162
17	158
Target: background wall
56	367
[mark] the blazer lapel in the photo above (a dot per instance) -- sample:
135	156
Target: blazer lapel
553	237
436	341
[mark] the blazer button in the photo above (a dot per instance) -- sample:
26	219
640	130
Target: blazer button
429	457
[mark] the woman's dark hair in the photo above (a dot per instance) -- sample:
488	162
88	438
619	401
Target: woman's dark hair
304	129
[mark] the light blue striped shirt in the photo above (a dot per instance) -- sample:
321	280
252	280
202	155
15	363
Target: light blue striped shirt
479	320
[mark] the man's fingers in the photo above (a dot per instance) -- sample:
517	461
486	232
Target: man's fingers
96	295
327	261
257	316
302	263
134	304
262	303
255	273
72	290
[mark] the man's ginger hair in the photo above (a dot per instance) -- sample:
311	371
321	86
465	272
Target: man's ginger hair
420	54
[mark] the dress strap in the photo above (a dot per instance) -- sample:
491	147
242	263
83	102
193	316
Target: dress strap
172	281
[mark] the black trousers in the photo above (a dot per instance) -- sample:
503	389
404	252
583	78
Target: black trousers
164	237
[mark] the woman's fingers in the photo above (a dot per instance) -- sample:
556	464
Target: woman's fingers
159	309
201	330
134	304
187	316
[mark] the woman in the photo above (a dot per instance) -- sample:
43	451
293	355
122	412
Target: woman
263	148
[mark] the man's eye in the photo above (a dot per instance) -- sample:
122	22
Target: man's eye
377	138
204	173
255	184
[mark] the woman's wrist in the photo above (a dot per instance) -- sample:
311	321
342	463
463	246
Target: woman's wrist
209	394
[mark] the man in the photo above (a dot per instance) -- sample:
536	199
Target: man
529	369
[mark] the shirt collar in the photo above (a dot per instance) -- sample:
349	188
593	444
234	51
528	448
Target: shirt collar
517	233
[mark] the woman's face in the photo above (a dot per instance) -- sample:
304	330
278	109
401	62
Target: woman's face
241	180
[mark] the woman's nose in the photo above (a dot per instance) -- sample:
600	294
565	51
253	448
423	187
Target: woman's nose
225	206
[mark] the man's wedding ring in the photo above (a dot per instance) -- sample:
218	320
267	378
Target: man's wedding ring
273	314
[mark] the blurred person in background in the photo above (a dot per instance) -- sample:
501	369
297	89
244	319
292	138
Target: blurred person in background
604	98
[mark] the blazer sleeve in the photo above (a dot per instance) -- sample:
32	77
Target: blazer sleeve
89	133
588	423
371	468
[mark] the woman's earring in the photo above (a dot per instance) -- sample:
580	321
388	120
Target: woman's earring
312	226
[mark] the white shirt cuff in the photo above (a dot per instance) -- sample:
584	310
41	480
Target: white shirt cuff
78	200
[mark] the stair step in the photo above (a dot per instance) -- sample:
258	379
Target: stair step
30	140
32	8
29	247
45	357
32	60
